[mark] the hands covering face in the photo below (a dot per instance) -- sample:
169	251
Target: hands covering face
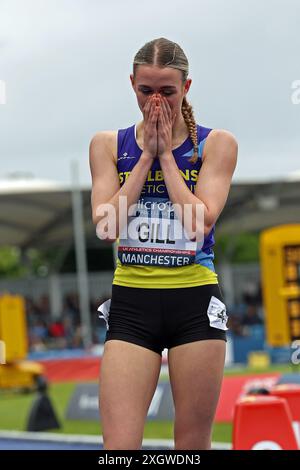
159	121
165	123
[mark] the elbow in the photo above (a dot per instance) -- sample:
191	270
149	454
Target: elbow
209	222
207	230
199	225
200	234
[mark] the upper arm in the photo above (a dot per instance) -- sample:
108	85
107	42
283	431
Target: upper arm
215	175
105	178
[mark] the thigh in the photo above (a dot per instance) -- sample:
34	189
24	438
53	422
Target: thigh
135	316
196	371
128	379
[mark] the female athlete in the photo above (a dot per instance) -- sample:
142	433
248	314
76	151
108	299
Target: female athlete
158	188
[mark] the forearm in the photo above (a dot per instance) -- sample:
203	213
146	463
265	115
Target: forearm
181	196
131	191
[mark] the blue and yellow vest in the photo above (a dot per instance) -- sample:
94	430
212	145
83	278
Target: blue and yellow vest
152	258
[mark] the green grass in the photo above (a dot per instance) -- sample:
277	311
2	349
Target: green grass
14	409
281	368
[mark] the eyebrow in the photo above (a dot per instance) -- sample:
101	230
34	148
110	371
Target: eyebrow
166	86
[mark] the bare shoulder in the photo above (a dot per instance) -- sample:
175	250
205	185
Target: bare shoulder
104	143
221	143
221	138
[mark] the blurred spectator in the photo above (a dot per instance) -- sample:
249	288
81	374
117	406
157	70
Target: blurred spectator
248	312
251	317
43	306
56	329
69	331
71	307
38	334
234	325
252	294
65	331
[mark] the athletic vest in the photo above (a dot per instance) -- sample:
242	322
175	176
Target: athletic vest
153	256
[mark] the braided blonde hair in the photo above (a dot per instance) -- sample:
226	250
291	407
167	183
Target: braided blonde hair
165	53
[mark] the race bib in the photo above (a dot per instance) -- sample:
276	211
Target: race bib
104	310
155	237
216	313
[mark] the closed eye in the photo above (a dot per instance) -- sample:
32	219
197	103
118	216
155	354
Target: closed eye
147	92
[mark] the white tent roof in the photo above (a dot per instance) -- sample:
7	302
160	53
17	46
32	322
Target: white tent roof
36	212
293	176
28	185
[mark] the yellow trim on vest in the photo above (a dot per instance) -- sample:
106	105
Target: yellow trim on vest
154	277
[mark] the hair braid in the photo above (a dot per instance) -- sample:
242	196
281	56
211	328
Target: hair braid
188	115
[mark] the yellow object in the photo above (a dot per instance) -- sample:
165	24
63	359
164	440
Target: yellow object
163	278
14	371
13	327
259	359
22	374
280	267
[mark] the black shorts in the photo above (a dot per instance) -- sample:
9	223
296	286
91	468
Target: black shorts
164	318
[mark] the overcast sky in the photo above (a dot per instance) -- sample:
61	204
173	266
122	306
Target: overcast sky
66	66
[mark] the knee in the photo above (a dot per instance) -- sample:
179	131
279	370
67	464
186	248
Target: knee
194	439
193	433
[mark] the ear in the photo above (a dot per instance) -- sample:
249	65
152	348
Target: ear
187	85
132	80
